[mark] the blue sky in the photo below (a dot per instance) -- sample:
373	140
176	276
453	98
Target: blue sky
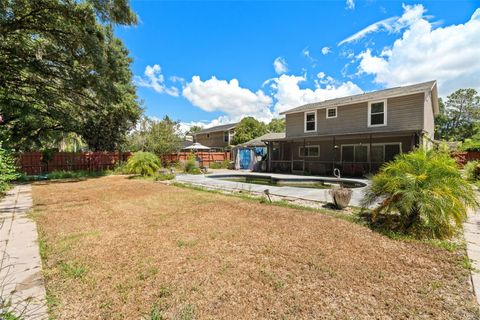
213	62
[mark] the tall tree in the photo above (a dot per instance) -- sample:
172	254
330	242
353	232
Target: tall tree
64	71
159	137
247	129
194	129
459	115
276	125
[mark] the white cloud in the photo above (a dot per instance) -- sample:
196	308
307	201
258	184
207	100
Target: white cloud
394	24
185	126
383	24
449	54
228	97
306	52
321	75
350	4
325	50
280	65
289	94
153	78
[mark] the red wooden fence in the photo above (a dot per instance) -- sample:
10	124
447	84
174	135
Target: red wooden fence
204	158
32	163
464	157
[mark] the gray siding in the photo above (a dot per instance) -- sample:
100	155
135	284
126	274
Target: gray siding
403	113
212	139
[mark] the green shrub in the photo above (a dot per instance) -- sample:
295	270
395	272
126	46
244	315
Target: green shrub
472	144
190	165
8	171
120	168
225	164
62	174
472	170
424	191
143	163
164	176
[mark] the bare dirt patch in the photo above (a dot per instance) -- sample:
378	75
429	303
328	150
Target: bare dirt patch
117	248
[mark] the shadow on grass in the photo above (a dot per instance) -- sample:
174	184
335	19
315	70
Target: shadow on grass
61	177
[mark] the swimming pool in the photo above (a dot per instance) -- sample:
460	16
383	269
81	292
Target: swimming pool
294	181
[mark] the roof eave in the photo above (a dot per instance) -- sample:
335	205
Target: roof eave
362	100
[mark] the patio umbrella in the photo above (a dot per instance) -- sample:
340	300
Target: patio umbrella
196	146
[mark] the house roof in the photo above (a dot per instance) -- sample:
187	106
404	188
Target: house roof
224	127
185	143
258	142
375	95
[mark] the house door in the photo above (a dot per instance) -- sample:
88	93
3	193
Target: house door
245	159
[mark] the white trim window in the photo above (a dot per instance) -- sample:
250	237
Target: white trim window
310	121
331	113
377	113
309	151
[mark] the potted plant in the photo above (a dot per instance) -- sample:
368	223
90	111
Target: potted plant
341	197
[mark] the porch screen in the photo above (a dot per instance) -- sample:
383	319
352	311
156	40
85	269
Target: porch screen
347	154
358	153
391	150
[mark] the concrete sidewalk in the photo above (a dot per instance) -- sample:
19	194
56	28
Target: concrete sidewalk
472	237
21	266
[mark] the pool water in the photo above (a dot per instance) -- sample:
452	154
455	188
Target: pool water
278	182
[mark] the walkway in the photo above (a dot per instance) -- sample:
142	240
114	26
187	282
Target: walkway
472	237
21	267
309	194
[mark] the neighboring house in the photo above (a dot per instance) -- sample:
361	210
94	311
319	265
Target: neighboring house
355	134
217	137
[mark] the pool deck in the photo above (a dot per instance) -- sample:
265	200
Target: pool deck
309	194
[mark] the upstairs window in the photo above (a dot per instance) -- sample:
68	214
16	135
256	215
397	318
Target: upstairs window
226	137
331	113
311	121
377	113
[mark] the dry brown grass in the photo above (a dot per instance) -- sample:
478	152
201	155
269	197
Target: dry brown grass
116	248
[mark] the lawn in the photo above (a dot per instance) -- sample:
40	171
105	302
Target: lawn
119	248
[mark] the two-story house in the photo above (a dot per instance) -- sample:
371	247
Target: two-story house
355	134
217	137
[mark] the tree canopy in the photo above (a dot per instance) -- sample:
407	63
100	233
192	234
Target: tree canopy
63	71
276	125
159	137
194	129
459	117
247	129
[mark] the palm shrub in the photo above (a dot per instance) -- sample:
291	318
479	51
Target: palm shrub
143	163
425	191
472	170
8	170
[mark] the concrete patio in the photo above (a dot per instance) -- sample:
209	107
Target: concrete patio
308	194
